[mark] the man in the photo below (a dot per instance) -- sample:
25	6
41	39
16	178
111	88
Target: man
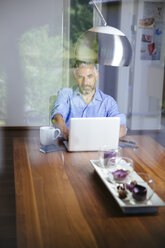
85	101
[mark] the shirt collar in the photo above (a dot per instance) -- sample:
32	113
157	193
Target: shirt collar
77	92
97	95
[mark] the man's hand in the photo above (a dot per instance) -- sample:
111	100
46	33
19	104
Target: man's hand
60	123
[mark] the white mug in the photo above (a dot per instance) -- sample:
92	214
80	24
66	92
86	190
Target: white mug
48	135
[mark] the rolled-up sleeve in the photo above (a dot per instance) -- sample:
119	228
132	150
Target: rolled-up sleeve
61	105
113	111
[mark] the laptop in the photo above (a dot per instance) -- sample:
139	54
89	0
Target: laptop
89	134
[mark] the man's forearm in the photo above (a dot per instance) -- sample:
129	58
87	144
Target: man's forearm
60	123
123	131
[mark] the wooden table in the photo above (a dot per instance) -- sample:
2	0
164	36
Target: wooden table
61	201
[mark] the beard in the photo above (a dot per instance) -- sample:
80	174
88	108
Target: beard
87	89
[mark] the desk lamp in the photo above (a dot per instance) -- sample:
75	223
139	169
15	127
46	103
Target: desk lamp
104	45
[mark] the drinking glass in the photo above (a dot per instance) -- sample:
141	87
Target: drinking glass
105	154
120	169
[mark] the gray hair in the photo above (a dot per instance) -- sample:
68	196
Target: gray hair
85	65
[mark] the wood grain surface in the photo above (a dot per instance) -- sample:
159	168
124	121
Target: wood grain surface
61	202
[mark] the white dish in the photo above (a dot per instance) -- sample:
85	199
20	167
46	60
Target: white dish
127	207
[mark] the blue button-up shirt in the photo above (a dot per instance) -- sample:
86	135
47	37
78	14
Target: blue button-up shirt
70	104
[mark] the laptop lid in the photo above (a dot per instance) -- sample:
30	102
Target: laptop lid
89	134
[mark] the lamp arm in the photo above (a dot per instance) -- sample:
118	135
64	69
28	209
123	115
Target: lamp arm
99	12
